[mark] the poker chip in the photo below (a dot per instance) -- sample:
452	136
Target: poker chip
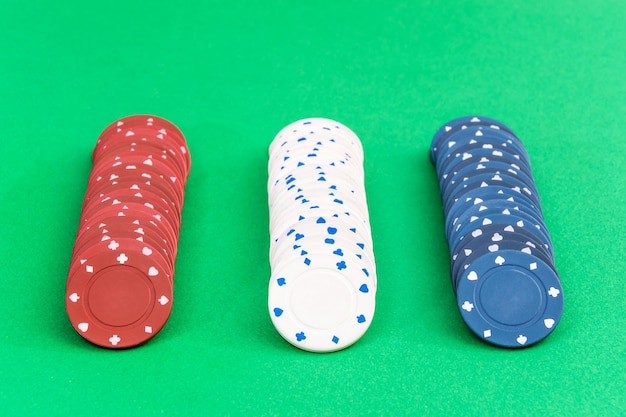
501	255
322	289
119	290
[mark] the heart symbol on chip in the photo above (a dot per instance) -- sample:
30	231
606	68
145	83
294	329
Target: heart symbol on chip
153	272
83	327
521	339
472	276
146	251
549	323
493	248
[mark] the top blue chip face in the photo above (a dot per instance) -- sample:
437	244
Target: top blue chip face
510	298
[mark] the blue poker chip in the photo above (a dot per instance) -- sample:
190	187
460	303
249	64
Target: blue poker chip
449	162
478	136
510	299
485	183
466	171
515	218
487	212
460	123
486	186
479	247
480	196
480	160
495	237
489	176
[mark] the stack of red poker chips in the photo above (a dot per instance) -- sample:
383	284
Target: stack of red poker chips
119	288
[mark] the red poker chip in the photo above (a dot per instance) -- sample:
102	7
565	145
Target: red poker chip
161	155
144	181
148	141
116	228
143	158
141	181
139	121
119	294
132	161
126	195
147	170
166	154
145	197
158	231
125	126
108	198
132	210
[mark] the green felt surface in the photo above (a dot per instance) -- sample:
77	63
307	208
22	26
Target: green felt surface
231	75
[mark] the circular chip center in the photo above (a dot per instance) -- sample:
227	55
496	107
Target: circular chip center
322	299
511	296
119	296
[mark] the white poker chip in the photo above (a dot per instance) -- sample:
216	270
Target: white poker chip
311	126
323	306
323	283
325	231
315	160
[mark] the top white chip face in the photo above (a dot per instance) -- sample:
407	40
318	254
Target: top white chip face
323	285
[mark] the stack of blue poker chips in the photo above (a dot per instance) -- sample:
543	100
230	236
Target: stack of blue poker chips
502	260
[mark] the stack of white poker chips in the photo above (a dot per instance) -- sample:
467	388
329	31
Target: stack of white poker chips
322	288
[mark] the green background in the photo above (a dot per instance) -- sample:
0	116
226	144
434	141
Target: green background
231	76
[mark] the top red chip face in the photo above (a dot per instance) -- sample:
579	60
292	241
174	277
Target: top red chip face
119	290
